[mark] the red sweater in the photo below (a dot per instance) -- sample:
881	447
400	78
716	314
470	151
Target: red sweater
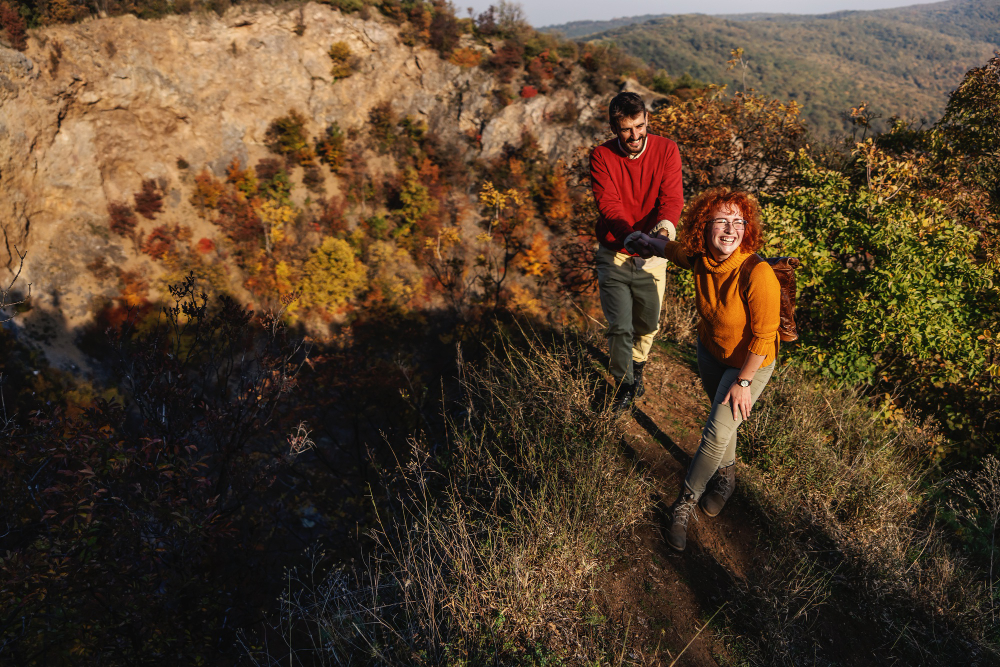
633	195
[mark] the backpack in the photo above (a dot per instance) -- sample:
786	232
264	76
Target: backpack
784	270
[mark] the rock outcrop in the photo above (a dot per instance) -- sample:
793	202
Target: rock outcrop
90	110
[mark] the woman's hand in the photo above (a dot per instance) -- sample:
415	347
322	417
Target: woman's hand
739	398
652	245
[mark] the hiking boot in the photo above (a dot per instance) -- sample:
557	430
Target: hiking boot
721	487
683	509
624	398
640	388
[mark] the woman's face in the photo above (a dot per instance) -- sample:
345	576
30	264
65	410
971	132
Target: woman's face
724	232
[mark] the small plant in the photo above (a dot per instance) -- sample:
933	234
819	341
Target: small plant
122	219
344	62
528	92
149	199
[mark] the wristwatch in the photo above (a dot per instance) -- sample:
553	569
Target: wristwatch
743	383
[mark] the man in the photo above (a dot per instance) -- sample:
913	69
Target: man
636	178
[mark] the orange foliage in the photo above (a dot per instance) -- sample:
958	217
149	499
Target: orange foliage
207	191
536	259
159	242
556	195
465	57
205	246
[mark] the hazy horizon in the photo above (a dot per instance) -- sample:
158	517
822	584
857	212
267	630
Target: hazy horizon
542	13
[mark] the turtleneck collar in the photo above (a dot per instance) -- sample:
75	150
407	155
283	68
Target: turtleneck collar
732	263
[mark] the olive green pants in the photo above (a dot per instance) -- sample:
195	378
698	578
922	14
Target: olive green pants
631	296
718	439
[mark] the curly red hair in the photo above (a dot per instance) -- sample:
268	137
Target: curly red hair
702	208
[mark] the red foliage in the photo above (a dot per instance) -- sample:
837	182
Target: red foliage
332	220
159	242
241	224
507	60
13	23
149	200
205	246
123	220
528	92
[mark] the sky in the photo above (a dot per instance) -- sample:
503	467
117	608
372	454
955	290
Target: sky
548	12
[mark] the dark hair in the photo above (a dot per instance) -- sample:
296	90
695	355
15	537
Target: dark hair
625	105
699	209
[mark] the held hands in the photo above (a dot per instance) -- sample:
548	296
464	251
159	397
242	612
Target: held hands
646	246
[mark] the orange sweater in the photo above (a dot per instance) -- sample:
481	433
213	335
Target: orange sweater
729	327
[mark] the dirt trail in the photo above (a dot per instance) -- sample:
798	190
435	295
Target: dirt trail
664	596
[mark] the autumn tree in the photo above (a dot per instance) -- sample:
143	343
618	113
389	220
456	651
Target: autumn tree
332	275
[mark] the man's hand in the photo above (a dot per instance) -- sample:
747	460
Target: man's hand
651	245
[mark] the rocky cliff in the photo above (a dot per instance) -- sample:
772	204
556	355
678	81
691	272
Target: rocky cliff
91	110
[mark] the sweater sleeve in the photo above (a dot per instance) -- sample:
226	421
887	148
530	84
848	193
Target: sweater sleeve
764	301
674	251
608	200
670	201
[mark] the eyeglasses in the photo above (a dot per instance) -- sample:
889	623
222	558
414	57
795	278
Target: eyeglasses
738	223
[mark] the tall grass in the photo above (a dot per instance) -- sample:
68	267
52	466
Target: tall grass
847	490
493	554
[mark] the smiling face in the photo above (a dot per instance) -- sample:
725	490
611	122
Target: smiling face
631	133
722	238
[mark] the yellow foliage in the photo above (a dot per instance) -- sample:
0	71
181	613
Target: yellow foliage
332	276
275	216
343	60
394	273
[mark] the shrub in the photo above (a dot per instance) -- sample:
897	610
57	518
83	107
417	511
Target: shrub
343	60
122	219
465	57
444	30
13	23
207	191
287	136
146	518
330	148
205	246
382	121
149	199
332	276
160	241
528	92
507	60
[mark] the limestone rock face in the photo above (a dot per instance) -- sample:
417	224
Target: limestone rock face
92	109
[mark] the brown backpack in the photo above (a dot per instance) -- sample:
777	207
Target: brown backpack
784	270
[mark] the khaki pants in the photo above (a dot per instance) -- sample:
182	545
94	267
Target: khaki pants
631	296
718	439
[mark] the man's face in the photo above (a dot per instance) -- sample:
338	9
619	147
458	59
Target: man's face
632	133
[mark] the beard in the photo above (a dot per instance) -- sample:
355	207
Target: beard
635	148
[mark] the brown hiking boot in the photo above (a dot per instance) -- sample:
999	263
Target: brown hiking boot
683	509
721	487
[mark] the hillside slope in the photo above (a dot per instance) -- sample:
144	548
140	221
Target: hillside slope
92	110
904	62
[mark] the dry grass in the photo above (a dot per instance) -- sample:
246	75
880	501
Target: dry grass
846	491
497	544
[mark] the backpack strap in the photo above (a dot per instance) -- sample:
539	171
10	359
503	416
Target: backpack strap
746	268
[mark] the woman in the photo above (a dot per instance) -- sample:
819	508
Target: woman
740	307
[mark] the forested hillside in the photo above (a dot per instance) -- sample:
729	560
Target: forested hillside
903	62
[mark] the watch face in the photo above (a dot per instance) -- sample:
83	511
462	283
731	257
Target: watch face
744	383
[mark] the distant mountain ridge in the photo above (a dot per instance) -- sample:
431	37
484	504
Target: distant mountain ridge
904	62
